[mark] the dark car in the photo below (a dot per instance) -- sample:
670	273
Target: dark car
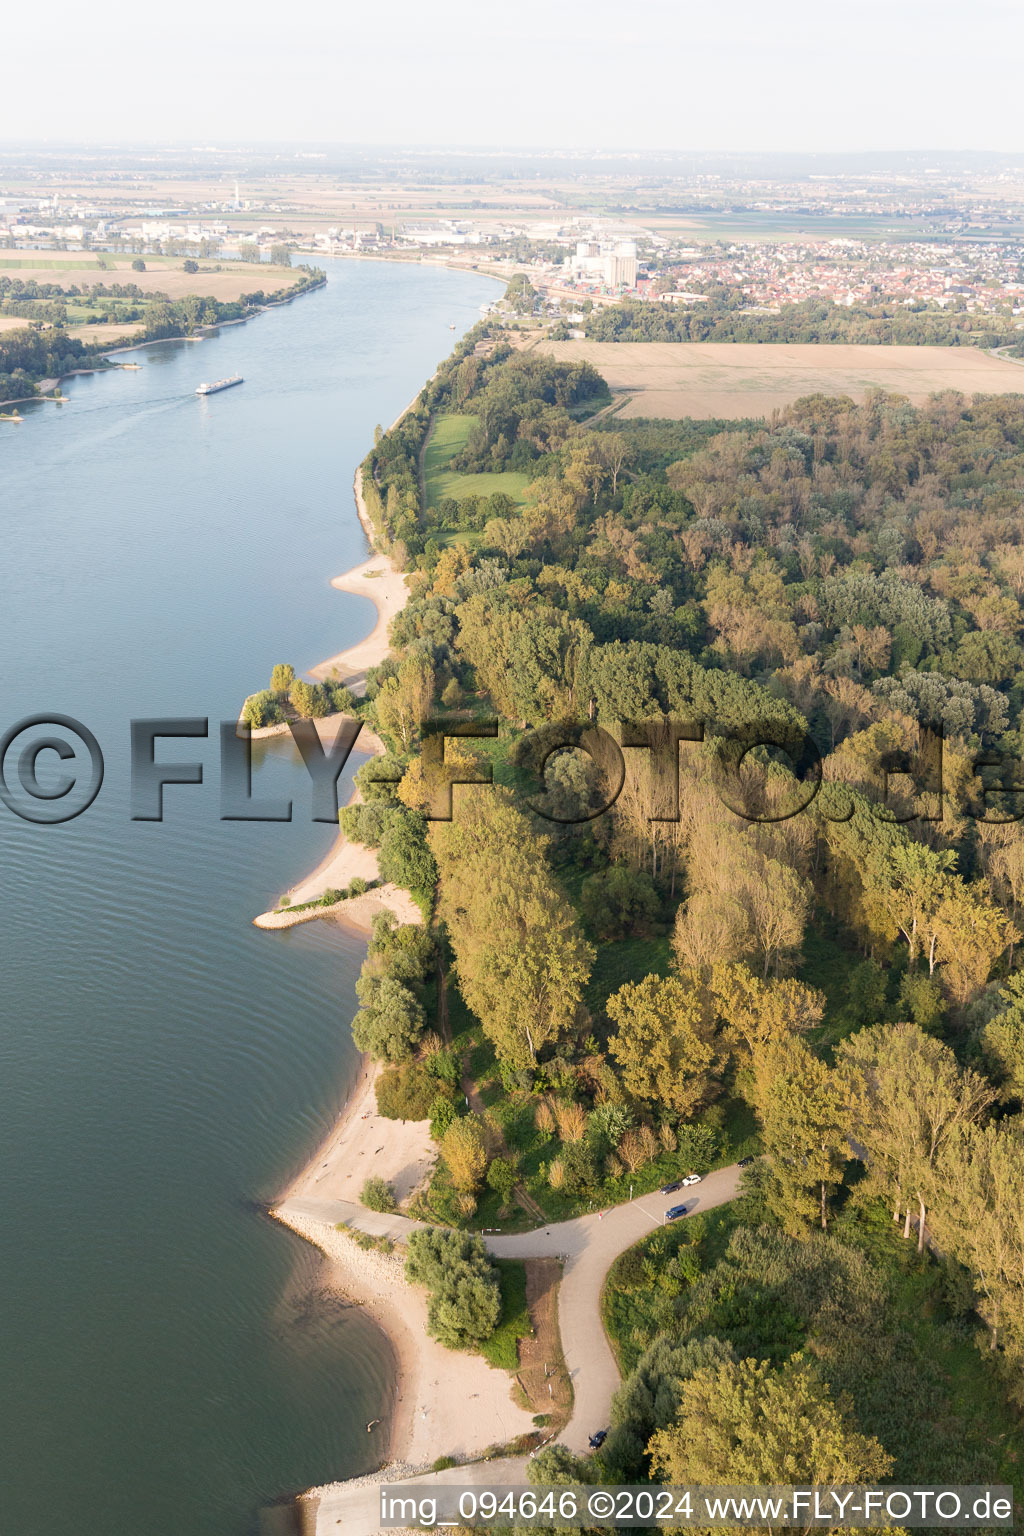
670	1189
744	1162
596	1441
674	1212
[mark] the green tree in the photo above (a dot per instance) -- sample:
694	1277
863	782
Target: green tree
520	958
261	709
464	1292
502	1177
648	1399
405	856
743	1422
390	1022
805	1120
282	678
910	1100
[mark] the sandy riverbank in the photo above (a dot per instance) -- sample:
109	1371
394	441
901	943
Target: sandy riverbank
378	579
448	1403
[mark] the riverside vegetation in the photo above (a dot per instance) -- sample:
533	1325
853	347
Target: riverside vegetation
600	1006
45	350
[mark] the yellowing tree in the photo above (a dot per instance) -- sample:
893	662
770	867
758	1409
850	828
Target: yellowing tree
758	1016
666	1042
804	1114
910	1101
403	702
462	1148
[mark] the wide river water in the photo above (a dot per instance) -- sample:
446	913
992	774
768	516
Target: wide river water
168	1368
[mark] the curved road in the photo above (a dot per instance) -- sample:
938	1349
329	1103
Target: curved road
588	1246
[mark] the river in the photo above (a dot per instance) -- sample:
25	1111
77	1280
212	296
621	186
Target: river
169	1367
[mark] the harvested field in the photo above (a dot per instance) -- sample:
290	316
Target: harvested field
709	379
223	280
104	332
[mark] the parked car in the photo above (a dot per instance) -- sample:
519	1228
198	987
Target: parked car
596	1441
670	1189
744	1162
674	1212
691	1178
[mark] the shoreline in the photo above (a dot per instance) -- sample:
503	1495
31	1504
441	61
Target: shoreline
377	579
445	1403
202	333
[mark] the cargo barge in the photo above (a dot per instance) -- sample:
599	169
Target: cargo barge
213	389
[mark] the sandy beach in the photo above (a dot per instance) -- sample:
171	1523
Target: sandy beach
449	1403
378	579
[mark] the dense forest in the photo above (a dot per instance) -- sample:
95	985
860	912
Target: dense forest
664	952
725	315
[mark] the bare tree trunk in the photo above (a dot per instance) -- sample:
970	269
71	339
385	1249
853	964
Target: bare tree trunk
920	1226
906	1224
824	1209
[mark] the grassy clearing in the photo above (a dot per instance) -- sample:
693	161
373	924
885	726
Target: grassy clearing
502	1348
448	437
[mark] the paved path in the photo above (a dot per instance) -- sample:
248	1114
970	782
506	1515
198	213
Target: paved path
353	1508
588	1246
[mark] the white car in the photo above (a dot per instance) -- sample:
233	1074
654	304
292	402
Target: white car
691	1178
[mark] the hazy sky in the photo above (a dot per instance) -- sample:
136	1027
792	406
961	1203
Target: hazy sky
651	74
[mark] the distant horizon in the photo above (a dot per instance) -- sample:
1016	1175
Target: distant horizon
313	146
674	73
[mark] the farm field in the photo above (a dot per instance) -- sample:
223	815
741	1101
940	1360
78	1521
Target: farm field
224	280
448	437
107	332
706	380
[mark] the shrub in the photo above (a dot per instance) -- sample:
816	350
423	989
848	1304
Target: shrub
618	901
377	1194
571	1119
357	885
339	698
407	1093
442	1112
464	1295
261	709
